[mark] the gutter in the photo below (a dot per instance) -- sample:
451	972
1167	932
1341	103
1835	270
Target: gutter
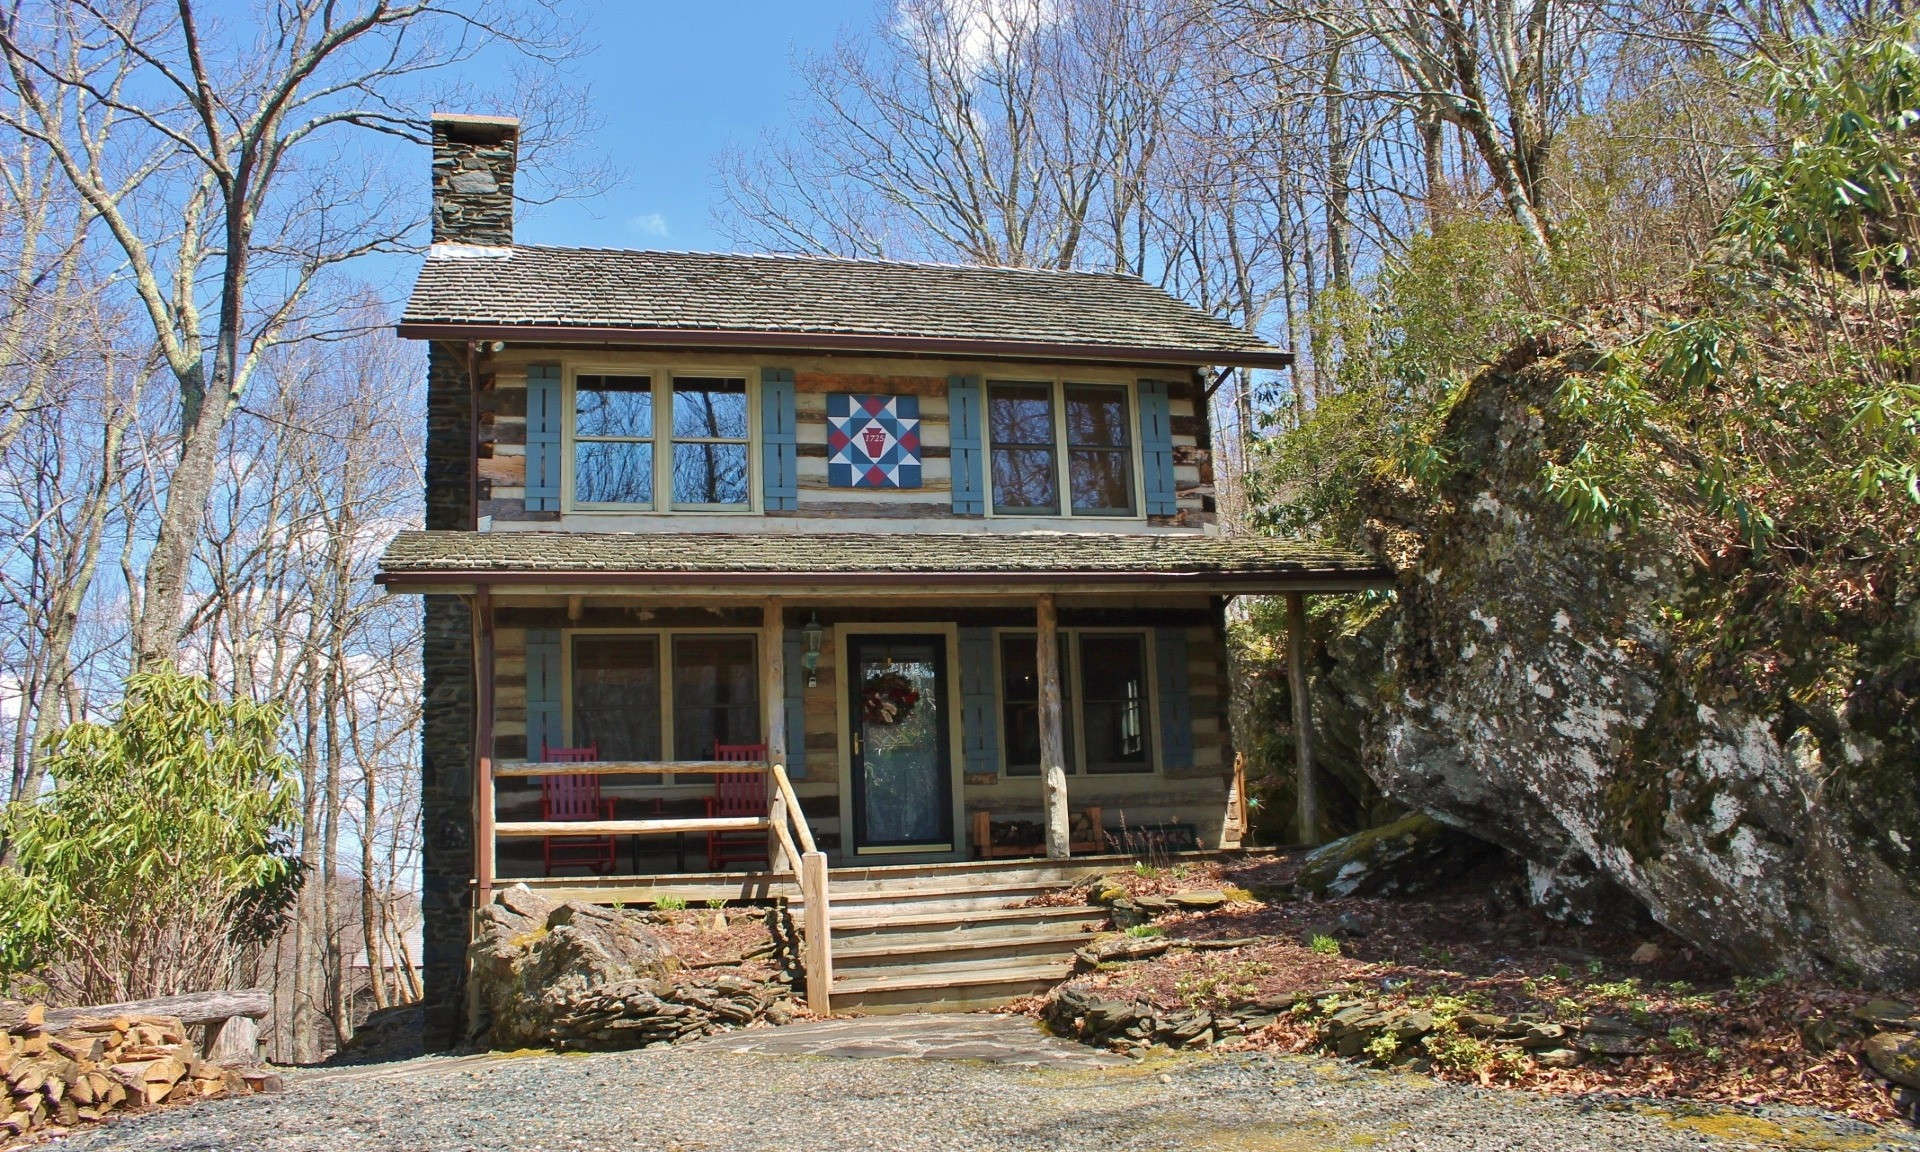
841	341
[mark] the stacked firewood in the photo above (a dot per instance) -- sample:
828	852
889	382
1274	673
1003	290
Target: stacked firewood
82	1070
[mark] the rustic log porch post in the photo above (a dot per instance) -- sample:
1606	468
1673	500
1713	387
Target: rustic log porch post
1307	794
773	703
1053	754
483	813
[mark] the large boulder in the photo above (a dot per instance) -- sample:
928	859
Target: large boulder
576	975
1541	687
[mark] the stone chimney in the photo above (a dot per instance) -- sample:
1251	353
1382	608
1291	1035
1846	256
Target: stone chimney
473	161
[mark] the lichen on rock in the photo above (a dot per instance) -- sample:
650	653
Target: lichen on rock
1551	690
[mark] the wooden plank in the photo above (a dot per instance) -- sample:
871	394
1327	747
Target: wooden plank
631	827
627	768
1307	808
818	917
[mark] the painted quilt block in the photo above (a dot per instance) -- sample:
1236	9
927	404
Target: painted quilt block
873	441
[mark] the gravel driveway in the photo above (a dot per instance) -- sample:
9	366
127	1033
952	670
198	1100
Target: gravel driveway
706	1098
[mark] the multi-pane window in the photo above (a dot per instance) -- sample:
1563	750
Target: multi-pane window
635	436
1103	702
613	440
1113	712
1099	450
1026	469
716	696
1020	703
616	696
1033	452
653	696
709	441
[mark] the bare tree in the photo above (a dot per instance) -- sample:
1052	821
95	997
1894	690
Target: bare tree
154	113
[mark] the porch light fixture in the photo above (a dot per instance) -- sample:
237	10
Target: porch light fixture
811	661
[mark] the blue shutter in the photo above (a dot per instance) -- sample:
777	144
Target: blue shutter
1176	703
979	711
543	439
543	691
795	646
779	471
1156	448
964	414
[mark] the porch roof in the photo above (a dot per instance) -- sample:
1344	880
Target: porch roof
862	559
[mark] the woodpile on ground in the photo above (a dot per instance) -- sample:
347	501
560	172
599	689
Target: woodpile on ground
67	1067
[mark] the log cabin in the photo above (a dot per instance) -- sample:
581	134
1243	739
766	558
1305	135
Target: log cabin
931	549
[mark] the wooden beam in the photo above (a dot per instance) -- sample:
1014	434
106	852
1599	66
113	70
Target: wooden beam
1053	755
631	827
627	768
1306	790
483	803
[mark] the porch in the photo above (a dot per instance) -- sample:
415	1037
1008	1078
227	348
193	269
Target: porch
1048	697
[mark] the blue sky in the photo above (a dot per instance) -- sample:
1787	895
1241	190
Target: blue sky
675	82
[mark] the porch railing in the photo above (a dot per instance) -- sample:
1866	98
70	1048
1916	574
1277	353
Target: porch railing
790	844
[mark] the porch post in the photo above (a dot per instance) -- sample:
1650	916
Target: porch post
773	680
1307	811
1053	756
773	687
483	812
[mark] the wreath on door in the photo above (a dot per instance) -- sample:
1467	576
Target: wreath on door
887	698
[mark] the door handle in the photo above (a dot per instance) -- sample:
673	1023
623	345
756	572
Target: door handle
856	741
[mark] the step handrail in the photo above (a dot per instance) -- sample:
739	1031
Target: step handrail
809	866
794	813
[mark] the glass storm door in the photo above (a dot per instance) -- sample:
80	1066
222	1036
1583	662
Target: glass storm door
902	771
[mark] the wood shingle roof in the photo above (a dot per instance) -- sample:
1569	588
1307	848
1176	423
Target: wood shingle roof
805	301
429	557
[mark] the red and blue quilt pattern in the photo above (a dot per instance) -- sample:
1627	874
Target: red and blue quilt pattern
873	441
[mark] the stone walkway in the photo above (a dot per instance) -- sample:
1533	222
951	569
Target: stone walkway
1013	1040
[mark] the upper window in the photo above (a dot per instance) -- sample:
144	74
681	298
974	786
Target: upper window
624	452
1026	463
709	442
1035	455
1099	450
613	440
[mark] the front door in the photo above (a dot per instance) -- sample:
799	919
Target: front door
902	766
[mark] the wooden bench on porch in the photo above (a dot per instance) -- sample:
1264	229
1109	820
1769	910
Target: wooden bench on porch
1087	835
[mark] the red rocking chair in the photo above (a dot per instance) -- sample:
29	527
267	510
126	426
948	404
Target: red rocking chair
575	798
737	794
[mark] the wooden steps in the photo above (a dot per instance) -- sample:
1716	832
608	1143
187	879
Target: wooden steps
952	938
952	987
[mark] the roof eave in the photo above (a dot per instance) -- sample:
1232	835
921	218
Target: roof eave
1304	578
843	342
